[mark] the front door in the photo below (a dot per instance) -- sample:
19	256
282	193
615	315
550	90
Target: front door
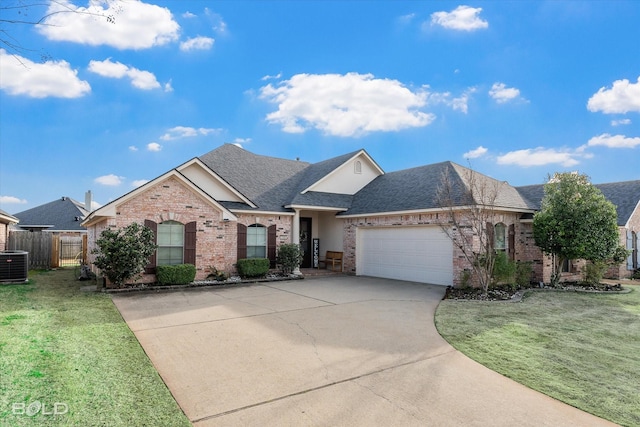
305	242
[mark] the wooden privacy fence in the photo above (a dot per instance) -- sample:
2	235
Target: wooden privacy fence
48	250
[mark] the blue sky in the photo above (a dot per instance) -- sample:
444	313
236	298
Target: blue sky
108	99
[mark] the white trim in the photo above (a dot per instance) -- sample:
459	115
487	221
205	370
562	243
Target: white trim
433	210
246	212
316	208
637	209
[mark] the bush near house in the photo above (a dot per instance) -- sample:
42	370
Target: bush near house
289	257
179	274
253	267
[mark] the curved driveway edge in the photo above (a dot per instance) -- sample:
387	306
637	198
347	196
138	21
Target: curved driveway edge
344	350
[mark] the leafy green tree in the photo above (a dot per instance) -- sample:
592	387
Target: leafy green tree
123	253
576	221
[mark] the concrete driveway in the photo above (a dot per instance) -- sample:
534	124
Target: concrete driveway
335	351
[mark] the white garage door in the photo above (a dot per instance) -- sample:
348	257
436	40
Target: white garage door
417	254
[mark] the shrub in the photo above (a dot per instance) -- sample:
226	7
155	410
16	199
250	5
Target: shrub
524	270
179	274
289	257
594	271
122	254
504	270
253	267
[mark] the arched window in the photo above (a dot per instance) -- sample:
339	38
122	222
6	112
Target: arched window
357	167
170	243
499	237
256	241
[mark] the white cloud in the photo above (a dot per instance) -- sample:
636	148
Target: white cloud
462	18
268	77
460	103
139	79
474	154
614	141
239	141
139	182
20	76
168	87
123	25
405	19
133	148
197	43
189	15
345	105
620	122
179	132
501	93
154	146
622	98
540	157
110	180
10	200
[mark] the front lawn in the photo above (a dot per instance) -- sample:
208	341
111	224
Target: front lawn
582	349
68	358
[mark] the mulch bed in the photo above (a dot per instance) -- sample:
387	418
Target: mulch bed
505	293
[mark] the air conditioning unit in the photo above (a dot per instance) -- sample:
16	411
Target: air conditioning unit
14	266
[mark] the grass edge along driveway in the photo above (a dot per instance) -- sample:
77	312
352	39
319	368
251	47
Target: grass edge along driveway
579	348
68	358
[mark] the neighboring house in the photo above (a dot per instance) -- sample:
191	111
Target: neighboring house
5	221
63	216
230	204
626	198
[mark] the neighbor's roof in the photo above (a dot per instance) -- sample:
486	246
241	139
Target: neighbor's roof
624	195
64	214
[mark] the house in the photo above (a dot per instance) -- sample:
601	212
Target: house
230	204
6	220
61	216
626	198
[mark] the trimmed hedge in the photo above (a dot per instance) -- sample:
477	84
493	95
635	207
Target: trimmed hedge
179	274
253	267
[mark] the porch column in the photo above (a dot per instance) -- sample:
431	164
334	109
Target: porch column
295	235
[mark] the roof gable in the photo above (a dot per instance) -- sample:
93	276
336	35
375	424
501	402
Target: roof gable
345	174
110	209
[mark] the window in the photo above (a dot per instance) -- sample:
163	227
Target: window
357	167
256	241
170	243
499	237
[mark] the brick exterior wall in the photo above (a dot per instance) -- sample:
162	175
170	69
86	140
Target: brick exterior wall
216	239
525	248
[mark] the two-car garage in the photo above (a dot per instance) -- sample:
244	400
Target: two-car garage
419	254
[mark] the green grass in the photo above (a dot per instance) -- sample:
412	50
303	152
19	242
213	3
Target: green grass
61	345
582	349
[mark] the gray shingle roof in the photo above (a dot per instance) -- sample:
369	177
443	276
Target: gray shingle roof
624	195
60	214
416	189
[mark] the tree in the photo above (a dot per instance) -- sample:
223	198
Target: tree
469	204
575	221
123	254
289	257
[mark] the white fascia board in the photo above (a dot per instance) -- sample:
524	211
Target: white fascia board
429	211
247	212
327	176
315	208
636	211
216	177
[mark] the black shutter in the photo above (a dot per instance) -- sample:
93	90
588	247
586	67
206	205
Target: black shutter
271	245
512	242
242	241
490	237
190	243
150	268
